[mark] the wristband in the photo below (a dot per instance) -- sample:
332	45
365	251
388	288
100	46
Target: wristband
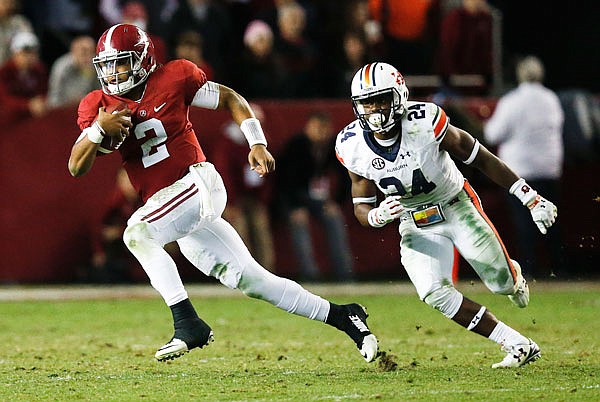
253	132
372	219
524	193
95	133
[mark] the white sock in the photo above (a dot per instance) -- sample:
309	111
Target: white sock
283	293
505	335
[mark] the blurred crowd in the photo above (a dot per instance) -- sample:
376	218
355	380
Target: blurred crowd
263	48
266	49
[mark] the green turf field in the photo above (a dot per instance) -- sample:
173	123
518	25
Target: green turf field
102	350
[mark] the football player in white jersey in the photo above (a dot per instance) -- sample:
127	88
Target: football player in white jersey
402	148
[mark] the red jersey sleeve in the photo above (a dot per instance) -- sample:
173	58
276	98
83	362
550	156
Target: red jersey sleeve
88	109
195	78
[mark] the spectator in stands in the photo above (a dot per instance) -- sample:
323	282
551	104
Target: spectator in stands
134	12
211	19
10	23
111	260
581	131
465	45
260	73
58	22
189	46
248	195
23	80
355	55
72	75
358	19
527	128
270	13
298	54
311	184
410	32
158	12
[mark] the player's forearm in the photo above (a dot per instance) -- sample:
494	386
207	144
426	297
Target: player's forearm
83	155
361	212
236	104
495	168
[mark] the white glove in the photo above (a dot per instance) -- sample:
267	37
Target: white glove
388	210
543	211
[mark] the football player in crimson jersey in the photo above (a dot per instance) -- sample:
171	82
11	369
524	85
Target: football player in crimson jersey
183	194
402	149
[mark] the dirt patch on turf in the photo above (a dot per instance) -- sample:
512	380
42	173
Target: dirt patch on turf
387	362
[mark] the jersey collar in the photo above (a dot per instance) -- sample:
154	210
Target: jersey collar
389	153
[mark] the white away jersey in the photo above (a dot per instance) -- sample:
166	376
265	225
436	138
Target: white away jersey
413	167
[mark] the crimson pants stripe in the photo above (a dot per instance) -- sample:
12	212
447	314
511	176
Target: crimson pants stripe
187	193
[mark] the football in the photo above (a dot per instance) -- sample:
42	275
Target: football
110	144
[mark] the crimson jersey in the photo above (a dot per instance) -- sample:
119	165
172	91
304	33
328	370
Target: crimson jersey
162	143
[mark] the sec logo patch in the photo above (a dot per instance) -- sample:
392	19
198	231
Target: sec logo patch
378	163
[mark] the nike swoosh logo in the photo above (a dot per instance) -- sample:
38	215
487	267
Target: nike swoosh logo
157	108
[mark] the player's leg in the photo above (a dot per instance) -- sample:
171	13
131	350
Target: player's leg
167	216
217	250
480	245
428	260
478	242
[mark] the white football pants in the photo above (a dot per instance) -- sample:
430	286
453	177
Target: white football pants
428	253
189	212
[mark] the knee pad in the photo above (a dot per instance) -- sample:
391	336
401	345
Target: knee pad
136	234
445	299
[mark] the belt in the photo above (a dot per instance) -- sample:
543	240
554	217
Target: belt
453	201
462	195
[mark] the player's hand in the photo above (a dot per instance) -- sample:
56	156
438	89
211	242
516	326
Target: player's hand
116	124
261	160
388	210
543	213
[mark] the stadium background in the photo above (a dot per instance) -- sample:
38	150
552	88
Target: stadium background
44	213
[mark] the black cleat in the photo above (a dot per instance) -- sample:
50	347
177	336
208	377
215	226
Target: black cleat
352	319
189	334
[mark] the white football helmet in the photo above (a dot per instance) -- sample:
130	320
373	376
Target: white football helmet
123	44
379	96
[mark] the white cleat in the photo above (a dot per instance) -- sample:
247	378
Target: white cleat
356	328
176	348
370	348
172	350
519	355
521	296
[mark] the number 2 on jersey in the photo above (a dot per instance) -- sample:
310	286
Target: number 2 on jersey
154	148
